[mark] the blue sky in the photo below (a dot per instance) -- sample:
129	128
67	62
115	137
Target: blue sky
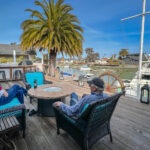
103	30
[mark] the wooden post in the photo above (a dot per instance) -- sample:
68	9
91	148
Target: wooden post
10	73
24	71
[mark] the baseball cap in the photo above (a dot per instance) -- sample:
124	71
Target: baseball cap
99	83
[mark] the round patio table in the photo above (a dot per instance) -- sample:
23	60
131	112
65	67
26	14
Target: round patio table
47	94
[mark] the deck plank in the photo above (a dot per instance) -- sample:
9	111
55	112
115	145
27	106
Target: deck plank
130	127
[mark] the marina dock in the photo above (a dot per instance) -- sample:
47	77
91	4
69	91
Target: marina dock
130	125
54	50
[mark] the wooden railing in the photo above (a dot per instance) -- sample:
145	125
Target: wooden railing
10	70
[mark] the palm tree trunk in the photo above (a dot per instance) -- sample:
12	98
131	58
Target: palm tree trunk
52	62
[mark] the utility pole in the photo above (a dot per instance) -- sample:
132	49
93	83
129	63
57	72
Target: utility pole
141	44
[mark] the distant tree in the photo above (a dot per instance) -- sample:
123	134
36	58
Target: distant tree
123	53
91	56
113	56
96	56
14	43
89	51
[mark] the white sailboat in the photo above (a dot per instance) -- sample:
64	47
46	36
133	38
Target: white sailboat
131	89
143	74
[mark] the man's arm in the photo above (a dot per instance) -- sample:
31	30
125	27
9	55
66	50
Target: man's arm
71	110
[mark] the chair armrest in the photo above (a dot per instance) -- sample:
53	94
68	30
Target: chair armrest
12	109
47	82
59	112
28	86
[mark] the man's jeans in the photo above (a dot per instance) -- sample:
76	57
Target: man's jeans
74	99
14	91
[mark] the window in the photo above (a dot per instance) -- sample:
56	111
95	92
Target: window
146	77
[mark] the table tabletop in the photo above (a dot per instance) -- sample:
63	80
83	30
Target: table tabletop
51	91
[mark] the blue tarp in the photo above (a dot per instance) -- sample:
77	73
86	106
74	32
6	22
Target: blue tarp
67	74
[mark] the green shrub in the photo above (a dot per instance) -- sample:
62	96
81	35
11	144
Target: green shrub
3	60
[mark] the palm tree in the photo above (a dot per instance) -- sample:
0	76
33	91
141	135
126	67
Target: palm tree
54	29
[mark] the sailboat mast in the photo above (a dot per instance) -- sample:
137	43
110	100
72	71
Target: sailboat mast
141	42
141	45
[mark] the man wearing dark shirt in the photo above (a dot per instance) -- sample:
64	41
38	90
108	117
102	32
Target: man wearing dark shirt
76	106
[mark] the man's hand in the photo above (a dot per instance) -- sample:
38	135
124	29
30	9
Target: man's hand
57	104
5	93
84	95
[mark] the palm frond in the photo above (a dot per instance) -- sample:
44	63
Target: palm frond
53	28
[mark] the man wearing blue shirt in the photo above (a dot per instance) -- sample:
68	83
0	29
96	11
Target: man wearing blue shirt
76	106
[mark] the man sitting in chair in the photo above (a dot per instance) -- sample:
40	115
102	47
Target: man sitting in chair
76	106
14	91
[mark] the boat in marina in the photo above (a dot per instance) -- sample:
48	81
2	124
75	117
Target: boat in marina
85	68
75	73
67	71
131	86
143	74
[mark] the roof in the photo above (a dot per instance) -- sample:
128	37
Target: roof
135	57
134	54
7	49
31	52
105	58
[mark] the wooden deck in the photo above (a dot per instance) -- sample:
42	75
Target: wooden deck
130	127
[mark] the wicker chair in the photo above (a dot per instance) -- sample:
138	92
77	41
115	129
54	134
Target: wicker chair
29	77
17	110
92	124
